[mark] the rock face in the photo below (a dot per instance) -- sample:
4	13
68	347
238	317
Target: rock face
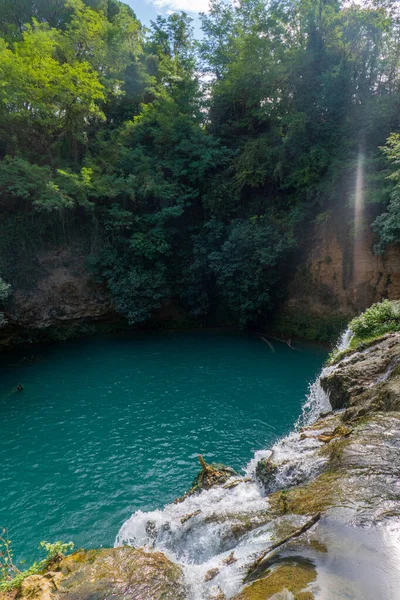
118	573
368	380
356	487
61	294
337	277
293	577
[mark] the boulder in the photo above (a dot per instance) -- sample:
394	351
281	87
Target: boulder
289	580
210	475
115	573
265	473
361	370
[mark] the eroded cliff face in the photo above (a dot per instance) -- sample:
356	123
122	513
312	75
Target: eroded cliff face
59	300
338	275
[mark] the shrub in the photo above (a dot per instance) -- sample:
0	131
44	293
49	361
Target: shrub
11	576
382	317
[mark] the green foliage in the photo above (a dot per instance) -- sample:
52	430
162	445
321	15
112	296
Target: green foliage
245	265
11	576
381	318
387	224
188	170
5	290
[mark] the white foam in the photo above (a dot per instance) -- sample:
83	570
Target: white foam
344	340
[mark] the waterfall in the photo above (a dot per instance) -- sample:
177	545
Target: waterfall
344	340
317	401
208	534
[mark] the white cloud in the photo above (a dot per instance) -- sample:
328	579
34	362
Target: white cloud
189	6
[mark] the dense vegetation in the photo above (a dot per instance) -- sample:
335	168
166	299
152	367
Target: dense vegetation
379	319
186	171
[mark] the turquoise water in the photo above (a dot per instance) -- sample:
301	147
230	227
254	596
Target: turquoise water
110	425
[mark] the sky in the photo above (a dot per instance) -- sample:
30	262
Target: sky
147	10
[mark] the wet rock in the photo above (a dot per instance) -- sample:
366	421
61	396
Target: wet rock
291	579
229	560
234	483
266	472
317	496
189	516
360	371
218	595
211	574
338	432
211	475
117	573
361	473
233	526
383	397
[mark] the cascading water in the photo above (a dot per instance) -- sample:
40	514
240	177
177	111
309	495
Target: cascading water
344	340
215	535
318	400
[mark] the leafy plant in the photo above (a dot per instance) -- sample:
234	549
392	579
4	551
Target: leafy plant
11	576
381	318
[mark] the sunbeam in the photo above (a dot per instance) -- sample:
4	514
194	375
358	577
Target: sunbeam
358	219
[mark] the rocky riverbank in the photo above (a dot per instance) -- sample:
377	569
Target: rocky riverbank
316	517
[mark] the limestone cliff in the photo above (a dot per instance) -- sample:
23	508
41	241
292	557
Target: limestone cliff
60	297
337	276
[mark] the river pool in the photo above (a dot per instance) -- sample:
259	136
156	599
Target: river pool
108	425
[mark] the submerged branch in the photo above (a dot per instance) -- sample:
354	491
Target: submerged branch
203	464
288	342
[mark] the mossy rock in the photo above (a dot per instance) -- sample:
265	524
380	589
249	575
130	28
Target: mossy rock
354	380
317	496
303	324
341	431
211	475
288	577
265	473
108	574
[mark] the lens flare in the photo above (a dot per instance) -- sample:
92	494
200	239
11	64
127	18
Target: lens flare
358	220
